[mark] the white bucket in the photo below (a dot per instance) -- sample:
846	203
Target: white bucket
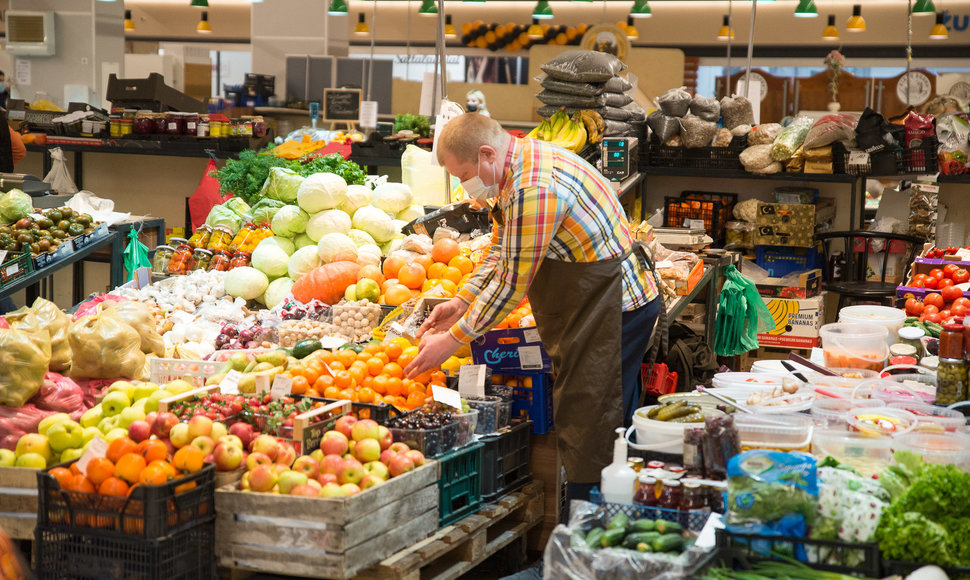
663	436
890	318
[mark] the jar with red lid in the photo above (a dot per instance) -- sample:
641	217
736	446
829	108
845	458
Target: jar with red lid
646	491
672	494
220	239
144	124
259	127
174	123
655	464
220	261
240	260
951	341
190	123
181	262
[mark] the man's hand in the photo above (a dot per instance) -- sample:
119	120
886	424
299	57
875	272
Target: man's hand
443	317
434	349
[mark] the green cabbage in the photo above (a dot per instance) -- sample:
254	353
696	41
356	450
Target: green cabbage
265	209
282	184
322	191
326	222
245	282
270	259
220	215
277	291
289	221
375	222
15	205
238	205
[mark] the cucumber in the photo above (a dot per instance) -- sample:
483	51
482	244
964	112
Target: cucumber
304	348
612	537
643	525
593	537
668	527
632	540
668	543
644	548
619	521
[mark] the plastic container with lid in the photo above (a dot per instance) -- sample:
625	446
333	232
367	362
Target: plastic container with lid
833	413
890	318
933	418
747	381
881	421
661	436
775	367
915	387
868	455
912	335
859	346
940	448
801	400
783	431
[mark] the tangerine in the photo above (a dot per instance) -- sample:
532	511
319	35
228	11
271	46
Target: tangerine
375	366
342	380
436	270
299	386
452	274
114	487
153	475
391	266
331	392
464	265
80	483
380	384
62	475
393	350
365	395
444	250
347	357
395	386
322	383
393	370
397	294
118	448
189	458
100	469
412	275
130	466
153	450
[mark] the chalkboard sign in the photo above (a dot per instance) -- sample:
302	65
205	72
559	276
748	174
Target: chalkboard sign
341	105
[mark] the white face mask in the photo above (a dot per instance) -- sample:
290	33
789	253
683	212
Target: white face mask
476	188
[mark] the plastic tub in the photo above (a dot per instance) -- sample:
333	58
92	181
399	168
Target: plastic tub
741	395
890	318
662	436
881	421
892	391
783	431
933	418
747	381
843	384
869	455
856	346
774	367
430	442
940	448
467	422
833	413
923	385
493	413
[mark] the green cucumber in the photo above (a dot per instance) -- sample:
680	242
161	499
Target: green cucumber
644	548
612	537
643	525
668	543
594	536
632	540
619	521
668	527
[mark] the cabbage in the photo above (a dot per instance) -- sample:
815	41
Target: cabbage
286	243
391	245
369	255
282	184
289	221
322	191
392	197
238	205
15	205
360	237
221	215
265	209
302	241
375	222
398	226
270	259
245	282
328	221
411	213
336	248
302	261
357	197
277	291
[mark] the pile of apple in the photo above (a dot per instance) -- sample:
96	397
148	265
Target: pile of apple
355	456
221	445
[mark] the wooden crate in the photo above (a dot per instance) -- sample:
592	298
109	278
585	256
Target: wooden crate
547	468
325	538
18	502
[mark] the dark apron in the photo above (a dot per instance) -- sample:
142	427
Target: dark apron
578	307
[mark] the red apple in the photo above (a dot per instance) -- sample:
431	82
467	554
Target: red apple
416	457
386	456
150	417
244	431
334	443
279	468
286	454
266	444
369	481
256	458
351	489
307	465
200	426
227	457
367	450
325	478
365	429
385	437
305	490
206	444
180	435
400	464
332	490
163	424
399	447
345	425
350	472
139	431
263	478
231	440
331	464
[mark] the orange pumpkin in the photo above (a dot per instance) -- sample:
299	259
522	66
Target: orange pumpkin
326	283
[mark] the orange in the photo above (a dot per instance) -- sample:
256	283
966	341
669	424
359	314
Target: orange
391	266
373	272
345	395
326	357
412	275
336	365
436	270
113	486
80	483
387	284
100	469
393	350
395	386
189	459
452	274
311	392
299	387
120	447
357	373
322	383
438	377
425	260
416	388
449	286
365	395
62	475
347	357
331	392
397	294
342	380
153	475
153	450
130	466
424	378
464	265
405	359
444	250
375	366
372	348
367	382
380	384
393	370
414	401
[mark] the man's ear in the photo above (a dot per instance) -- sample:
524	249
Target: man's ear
487	153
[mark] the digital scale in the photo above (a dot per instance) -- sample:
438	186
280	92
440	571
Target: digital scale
618	157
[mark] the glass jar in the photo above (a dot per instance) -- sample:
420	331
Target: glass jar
911	335
951	341
246	239
220	239
259	127
655	464
693	454
114	126
200	238
129	114
203	129
144	124
676	470
174	123
693	496
646	491
215	128
127	126
163	255
190	123
635	463
176	242
239	260
181	262
902	349
951	378
220	261
158	123
201	259
672	494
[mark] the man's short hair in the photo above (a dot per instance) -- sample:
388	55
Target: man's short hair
463	136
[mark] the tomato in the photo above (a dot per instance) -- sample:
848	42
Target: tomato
962	301
946	282
918	283
950	250
913	307
961	275
931	282
944	314
936	318
951	293
937	273
959	310
949	269
930	309
919	278
934	299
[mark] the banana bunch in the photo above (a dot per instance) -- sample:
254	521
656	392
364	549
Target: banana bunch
594	125
563	130
781	311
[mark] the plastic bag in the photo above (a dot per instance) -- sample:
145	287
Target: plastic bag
636	112
619	129
59	177
105	347
571	88
59	393
831	128
722	138
763	134
615	113
773	167
872	132
706	108
663	126
140	317
675	102
696	132
741	316
91	306
953	131
45	315
617	99
741	130
588	66
747	210
756	157
721	442
617	84
566	100
136	255
425	177
795	163
736	110
420	243
24	357
790	139
15	422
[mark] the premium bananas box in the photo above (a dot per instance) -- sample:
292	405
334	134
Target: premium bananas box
796	322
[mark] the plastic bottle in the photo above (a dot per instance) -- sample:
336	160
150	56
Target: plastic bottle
618	479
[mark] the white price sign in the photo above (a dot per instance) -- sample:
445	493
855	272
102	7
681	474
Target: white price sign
230	384
97	448
530	358
446	396
471	380
282	387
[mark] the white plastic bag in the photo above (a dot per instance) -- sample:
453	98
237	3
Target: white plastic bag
59	177
425	177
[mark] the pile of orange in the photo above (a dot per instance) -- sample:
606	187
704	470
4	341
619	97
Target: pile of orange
374	375
447	266
515	318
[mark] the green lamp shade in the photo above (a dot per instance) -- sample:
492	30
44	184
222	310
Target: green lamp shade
337	8
924	8
641	9
542	10
806	9
428	8
200	3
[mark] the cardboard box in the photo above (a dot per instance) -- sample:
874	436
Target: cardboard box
808	285
512	350
685	287
796	322
790	224
783	260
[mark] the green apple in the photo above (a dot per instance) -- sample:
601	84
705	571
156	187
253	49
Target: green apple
116	433
140	405
92	416
143	390
152	401
90	433
7	458
72	454
50	421
31	460
368	289
34	443
130	415
65	435
108	423
179	386
122	387
114	403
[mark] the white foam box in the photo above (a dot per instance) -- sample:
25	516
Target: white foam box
795	322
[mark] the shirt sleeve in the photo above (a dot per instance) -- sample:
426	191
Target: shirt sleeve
531	223
17	146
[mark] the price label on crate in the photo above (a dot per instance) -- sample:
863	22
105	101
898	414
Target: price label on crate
530	358
531	334
97	448
694	224
282	387
262	384
230	384
858	158
471	380
446	396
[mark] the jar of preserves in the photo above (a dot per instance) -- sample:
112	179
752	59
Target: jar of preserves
693	495
220	261
200	238
114	126
239	260
265	231
646	491
246	239
220	239
174	123
951	378
203	129
163	255
951	341
129	114
259	127
655	464
201	259
158	123
144	124
672	494
181	262
127	126
693	450
676	470
176	242
190	123
635	463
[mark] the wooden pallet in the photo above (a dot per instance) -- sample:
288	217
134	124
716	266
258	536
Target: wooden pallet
18	502
458	548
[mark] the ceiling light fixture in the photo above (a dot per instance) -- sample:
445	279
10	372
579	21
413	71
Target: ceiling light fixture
856	22
939	31
806	9
129	23
200	3
631	30
535	31
337	8
203	27
361	27
542	10
641	9
428	8
924	8
450	31
725	32
830	32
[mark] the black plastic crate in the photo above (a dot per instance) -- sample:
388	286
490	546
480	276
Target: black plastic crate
922	159
505	460
894	567
89	554
711	158
459	483
841	162
828	555
715	214
150	511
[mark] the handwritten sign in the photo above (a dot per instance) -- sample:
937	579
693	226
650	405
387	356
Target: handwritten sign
341	105
446	396
471	380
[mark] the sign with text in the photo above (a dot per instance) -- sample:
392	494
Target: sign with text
341	105
502	350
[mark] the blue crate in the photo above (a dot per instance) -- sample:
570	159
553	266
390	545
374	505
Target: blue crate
528	402
782	260
692	520
460	483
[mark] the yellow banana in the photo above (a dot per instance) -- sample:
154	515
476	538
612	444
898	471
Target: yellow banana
558	121
534	134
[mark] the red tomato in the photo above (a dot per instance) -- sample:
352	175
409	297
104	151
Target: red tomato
931	282
918	283
958	310
962	301
937	273
913	307
951	293
949	269
934	299
934	318
930	308
919	278
961	275
944	314
945	282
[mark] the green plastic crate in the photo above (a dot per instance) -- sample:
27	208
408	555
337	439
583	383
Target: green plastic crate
460	483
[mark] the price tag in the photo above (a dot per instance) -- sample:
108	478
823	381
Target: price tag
531	335
707	536
858	158
694	224
395	327
664	264
3	255
262	383
97	448
471	380
230	384
446	396
282	387
36	216
530	358
368	114
13	269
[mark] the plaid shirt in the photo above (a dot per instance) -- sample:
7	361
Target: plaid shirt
555	206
